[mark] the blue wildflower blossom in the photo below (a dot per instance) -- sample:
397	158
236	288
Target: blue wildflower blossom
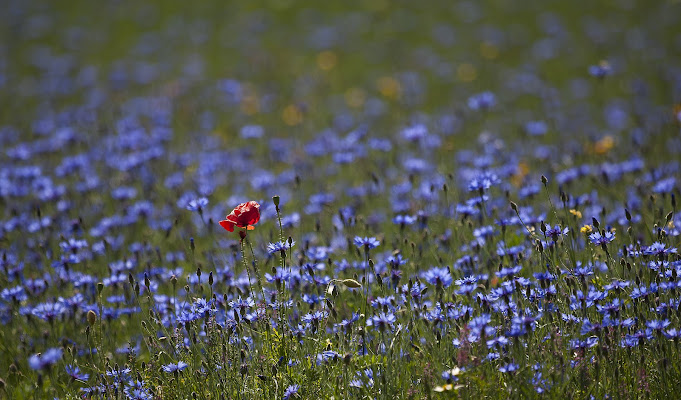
49	311
173	367
366	242
589	342
440	277
658	249
483	182
279	247
482	101
382	321
365	379
404	219
46	359
600	70
74	372
508	368
14	294
536	128
291	392
556	232
242	304
673	333
600	239
314	318
197	204
658	325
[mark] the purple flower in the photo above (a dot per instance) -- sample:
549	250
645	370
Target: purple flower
382	321
438	276
49	311
482	101
291	391
556	232
170	368
366	242
197	204
599	239
658	325
508	368
658	249
74	372
601	70
45	360
278	247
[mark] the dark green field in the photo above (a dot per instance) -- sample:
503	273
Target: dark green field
431	199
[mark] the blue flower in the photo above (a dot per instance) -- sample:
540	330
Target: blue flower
438	276
74	372
658	249
584	344
673	334
665	185
404	219
382	321
314	318
482	101
508	368
242	304
119	375
536	128
347	323
599	239
291	391
202	306
483	181
658	325
601	70
363	379
197	204
278	247
49	311
556	232
396	261
45	360
637	339
170	368
14	294
136	391
366	242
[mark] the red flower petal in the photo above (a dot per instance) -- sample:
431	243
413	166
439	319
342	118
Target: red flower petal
244	216
229	225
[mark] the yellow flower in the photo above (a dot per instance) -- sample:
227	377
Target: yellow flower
604	145
576	213
586	229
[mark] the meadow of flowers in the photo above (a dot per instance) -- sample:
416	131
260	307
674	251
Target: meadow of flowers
368	199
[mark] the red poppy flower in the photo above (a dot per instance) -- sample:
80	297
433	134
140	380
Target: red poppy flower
245	215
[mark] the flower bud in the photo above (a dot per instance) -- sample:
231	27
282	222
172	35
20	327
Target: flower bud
91	317
351	283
